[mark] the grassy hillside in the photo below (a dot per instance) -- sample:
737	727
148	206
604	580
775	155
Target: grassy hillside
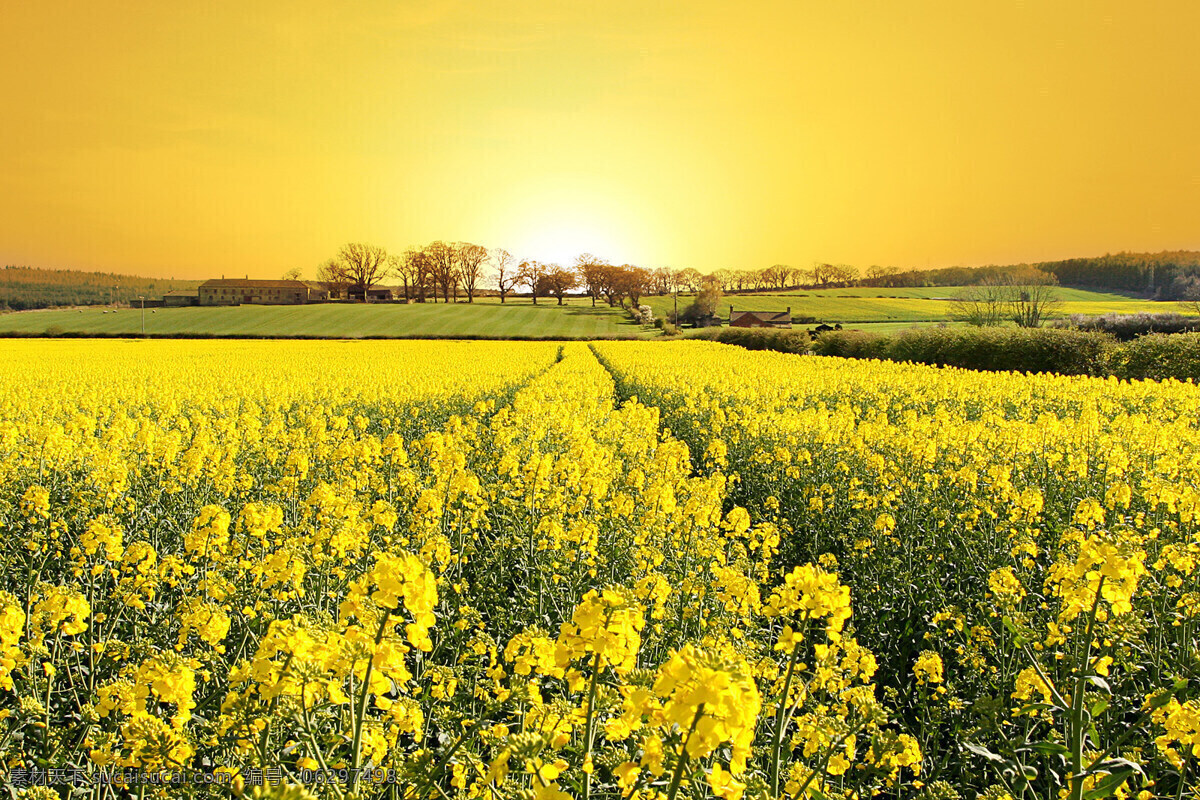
515	320
871	305
879	309
30	287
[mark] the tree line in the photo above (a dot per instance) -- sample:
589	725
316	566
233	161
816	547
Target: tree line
450	270
23	288
1169	275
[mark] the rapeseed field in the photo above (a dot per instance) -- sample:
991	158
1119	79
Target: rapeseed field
632	570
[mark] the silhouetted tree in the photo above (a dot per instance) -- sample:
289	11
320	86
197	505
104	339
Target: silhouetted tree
471	258
595	273
557	281
508	275
443	262
361	265
531	275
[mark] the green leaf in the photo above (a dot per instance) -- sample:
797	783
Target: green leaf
1046	748
1099	707
1108	765
1098	681
1161	699
983	751
1108	785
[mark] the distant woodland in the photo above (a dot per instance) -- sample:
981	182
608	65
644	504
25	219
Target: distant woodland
30	287
1165	276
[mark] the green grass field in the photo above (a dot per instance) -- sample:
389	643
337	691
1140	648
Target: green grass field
881	310
933	304
516	319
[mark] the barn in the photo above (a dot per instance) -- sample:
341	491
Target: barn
760	319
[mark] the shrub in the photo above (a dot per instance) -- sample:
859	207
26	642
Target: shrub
779	340
1129	326
1015	349
851	344
1159	356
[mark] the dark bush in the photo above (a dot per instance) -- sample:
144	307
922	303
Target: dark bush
1016	349
852	344
1159	356
1129	326
781	340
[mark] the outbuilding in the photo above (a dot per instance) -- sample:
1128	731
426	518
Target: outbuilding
760	319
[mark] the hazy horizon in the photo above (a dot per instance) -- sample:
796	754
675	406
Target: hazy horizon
168	140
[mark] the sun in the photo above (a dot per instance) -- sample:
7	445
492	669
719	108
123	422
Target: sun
556	227
559	239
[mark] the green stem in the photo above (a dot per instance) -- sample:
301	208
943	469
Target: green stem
356	746
590	728
1077	731
683	754
777	734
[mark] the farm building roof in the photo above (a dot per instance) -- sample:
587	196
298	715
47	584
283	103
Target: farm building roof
243	283
763	316
182	293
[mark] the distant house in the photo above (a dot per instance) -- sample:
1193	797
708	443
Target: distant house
376	294
181	297
236	291
760	319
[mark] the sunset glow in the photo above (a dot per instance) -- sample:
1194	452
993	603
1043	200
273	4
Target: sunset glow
193	139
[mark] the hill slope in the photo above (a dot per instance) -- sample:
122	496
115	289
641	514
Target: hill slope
33	287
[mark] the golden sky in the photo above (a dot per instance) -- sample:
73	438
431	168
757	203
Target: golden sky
191	139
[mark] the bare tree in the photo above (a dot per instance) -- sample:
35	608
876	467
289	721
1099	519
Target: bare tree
660	281
507	274
777	275
845	273
398	264
983	305
333	278
443	262
688	279
875	272
1033	300
822	273
417	271
292	274
725	277
471	258
362	265
1191	297
532	273
595	273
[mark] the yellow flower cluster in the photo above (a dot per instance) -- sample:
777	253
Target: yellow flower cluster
607	624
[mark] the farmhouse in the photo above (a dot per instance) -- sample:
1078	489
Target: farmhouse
236	291
760	319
